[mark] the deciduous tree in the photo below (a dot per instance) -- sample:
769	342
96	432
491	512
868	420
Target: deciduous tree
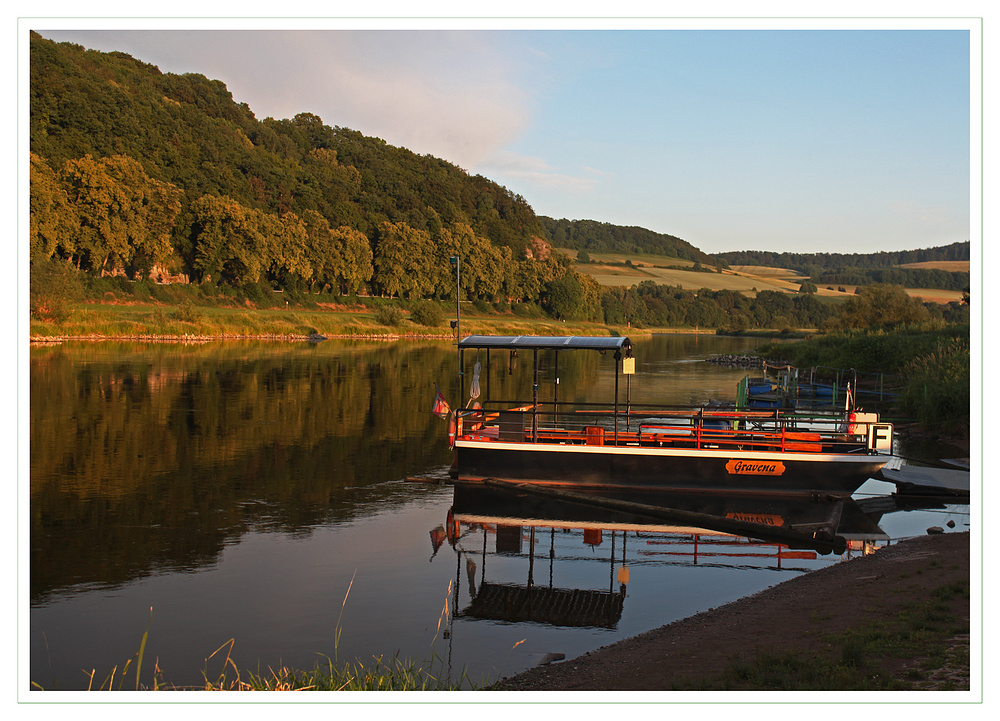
125	217
880	305
54	220
403	260
231	242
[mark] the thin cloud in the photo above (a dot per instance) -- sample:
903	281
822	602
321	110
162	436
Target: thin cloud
538	173
405	87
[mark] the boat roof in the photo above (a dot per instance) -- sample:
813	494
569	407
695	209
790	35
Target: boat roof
543	342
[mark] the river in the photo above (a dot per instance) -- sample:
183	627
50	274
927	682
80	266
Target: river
254	497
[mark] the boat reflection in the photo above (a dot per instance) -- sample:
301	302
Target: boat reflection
514	541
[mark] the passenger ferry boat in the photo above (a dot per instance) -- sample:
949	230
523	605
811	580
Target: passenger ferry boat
624	444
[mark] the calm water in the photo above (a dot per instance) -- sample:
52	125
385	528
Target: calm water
244	490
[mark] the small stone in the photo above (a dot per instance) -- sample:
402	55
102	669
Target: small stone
950	524
550	657
934	530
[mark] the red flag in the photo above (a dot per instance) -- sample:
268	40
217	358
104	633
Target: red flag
441	408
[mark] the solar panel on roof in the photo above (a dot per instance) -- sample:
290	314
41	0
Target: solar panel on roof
545	342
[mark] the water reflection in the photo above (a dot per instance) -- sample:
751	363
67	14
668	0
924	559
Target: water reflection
147	457
536	579
549	530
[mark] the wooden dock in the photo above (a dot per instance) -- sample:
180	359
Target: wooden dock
925	481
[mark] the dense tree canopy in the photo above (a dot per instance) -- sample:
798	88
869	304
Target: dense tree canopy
187	132
102	214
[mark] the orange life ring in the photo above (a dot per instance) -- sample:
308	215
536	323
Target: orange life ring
476	419
452	430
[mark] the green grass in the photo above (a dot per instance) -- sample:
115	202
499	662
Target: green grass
379	674
856	660
157	321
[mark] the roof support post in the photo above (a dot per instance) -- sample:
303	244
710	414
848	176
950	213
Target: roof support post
555	389
488	396
617	356
534	398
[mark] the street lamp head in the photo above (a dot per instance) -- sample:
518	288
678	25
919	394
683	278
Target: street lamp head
453	260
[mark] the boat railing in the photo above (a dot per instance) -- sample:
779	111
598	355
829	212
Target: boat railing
666	427
865	384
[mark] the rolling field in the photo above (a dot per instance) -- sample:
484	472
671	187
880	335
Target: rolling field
952	266
746	279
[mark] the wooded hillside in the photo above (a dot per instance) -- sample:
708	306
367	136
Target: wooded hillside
243	200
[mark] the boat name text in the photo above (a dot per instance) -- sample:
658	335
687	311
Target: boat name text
758	468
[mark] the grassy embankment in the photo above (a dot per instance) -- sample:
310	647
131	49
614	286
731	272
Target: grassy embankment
67	305
145	320
932	360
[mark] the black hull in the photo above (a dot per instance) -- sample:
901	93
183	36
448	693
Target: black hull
649	469
820	523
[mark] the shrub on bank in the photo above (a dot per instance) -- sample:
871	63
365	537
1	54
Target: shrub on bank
389	315
427	313
528	310
870	351
53	287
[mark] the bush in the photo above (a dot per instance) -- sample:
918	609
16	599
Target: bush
389	315
295	295
261	295
187	313
937	389
427	313
53	286
527	310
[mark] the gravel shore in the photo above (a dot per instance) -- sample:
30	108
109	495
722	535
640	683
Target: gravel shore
794	615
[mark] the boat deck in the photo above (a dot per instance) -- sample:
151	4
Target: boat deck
726	429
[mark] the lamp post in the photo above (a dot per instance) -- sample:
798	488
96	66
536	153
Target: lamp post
458	295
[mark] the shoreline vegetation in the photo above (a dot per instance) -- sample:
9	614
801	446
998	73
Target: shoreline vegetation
930	358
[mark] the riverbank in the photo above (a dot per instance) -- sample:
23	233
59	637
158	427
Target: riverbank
900	617
152	321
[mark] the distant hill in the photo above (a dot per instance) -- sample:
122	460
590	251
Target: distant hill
811	263
925	268
592	235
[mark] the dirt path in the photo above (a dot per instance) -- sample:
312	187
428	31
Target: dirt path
794	615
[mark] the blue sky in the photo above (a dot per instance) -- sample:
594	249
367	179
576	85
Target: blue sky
821	139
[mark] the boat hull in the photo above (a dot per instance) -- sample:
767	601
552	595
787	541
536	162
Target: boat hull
636	468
